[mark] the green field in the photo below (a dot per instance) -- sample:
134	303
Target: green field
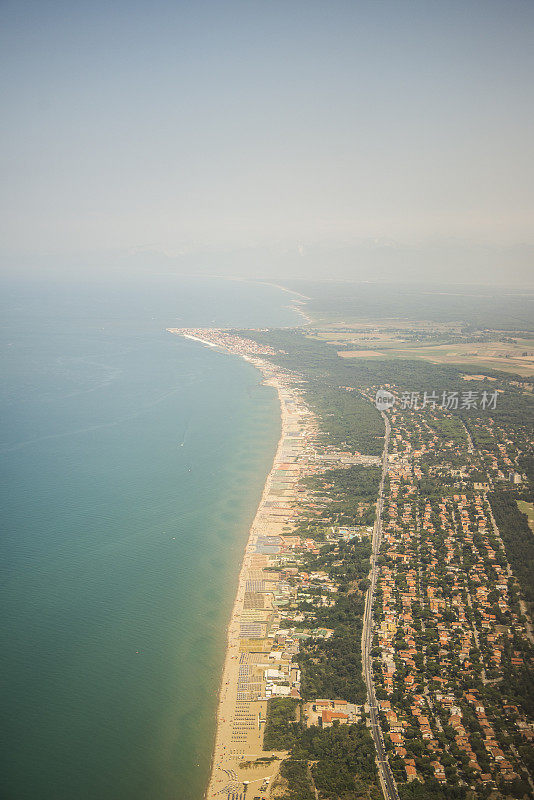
528	509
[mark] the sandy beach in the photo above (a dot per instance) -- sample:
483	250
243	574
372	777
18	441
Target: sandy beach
260	654
226	774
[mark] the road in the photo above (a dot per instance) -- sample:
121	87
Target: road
387	780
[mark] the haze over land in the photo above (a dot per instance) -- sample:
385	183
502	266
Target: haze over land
358	140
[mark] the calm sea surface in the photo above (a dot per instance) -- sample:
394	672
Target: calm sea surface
132	464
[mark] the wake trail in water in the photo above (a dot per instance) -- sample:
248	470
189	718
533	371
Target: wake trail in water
78	431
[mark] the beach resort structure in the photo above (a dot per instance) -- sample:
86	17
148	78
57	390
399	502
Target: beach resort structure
262	642
261	656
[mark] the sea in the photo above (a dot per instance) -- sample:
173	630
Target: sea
132	464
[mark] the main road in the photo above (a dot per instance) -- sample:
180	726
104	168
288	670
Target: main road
386	776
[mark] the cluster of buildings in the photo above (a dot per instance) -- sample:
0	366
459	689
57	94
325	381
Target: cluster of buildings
217	337
278	585
276	590
324	713
449	640
500	452
447	628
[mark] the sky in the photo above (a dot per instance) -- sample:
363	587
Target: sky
269	137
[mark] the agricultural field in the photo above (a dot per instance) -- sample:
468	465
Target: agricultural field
528	509
439	344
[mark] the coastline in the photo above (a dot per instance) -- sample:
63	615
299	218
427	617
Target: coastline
259	659
196	339
228	684
298	310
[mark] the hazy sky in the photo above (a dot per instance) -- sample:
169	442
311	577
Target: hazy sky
205	126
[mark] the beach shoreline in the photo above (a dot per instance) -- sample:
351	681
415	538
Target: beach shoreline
259	657
230	667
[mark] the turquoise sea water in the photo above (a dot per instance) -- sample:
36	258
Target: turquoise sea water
132	464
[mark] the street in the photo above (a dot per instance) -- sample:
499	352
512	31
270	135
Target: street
386	776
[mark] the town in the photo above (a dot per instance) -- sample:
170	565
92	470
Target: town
405	550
